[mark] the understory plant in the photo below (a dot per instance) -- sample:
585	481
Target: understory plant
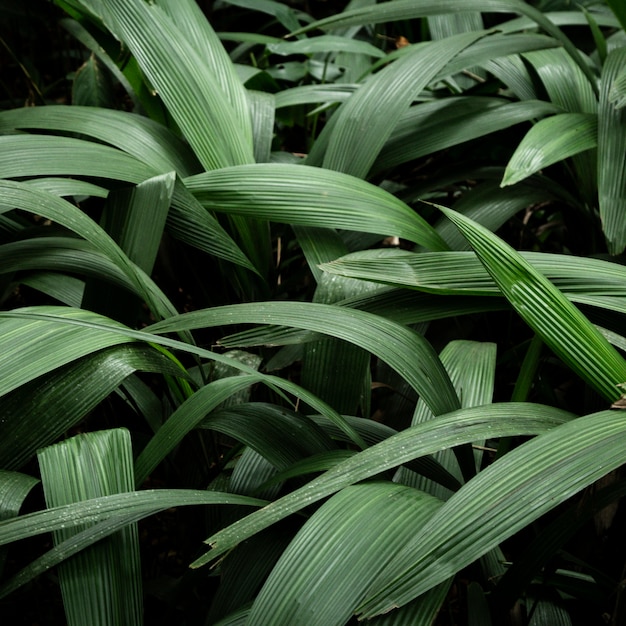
312	321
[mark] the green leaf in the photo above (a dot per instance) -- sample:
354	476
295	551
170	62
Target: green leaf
403	349
151	143
47	205
14	487
101	585
432	126
564	82
310	196
34	347
281	436
411	9
458	427
462	273
37	155
192	21
546	310
612	155
185	81
325	44
471	366
380	102
39	412
620	11
507	496
142	503
92	85
185	418
75	333
336	371
338	552
549	141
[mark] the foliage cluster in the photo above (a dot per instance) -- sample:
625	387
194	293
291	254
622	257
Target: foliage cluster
340	296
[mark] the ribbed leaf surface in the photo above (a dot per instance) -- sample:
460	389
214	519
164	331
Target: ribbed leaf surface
184	80
380	102
612	156
508	495
455	428
138	136
310	196
101	585
338	552
546	310
411	9
37	413
403	349
142	503
549	141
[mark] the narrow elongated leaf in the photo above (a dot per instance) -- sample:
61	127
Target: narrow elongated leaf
138	136
325	44
92	84
62	254
612	156
620	11
310	196
38	413
338	552
508	495
36	155
471	366
47	205
312	94
281	436
403	349
189	18
455	428
184	80
419	131
546	310
462	272
23	342
82	332
41	154
144	503
101	585
411	9
336	371
65	289
564	82
379	104
67	548
549	141
185	418
136	218
14	487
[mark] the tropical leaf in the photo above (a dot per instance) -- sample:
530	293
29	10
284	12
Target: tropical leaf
309	196
544	471
121	505
612	155
410	9
340	539
546	310
380	103
102	584
455	428
549	141
403	349
39	412
184	80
